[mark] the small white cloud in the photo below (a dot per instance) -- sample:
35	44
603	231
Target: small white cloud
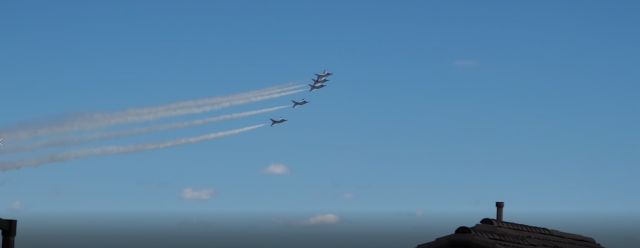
419	212
16	206
347	195
276	169
191	194
465	62
323	219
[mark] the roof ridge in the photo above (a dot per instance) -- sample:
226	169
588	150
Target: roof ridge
523	238
537	230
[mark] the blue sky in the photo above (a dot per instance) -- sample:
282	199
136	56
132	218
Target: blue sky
440	106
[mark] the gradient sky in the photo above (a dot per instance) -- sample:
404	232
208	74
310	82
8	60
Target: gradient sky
437	106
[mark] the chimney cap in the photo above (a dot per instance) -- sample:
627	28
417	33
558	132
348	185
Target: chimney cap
500	204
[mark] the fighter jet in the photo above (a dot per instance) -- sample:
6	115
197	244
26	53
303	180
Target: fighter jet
300	103
324	74
319	81
316	86
275	122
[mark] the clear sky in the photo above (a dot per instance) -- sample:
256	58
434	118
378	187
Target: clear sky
434	106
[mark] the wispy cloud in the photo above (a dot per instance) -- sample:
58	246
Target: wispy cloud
197	195
323	219
465	62
276	169
16	206
347	195
419	212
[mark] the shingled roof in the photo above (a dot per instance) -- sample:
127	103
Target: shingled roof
494	233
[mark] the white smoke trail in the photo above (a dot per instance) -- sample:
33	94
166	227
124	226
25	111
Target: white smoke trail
99	120
194	110
111	150
132	132
196	103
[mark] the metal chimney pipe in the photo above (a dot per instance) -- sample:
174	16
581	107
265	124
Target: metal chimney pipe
499	207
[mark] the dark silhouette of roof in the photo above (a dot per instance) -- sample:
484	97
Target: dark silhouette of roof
8	228
491	233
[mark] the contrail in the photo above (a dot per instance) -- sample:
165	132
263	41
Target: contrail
98	120
111	150
136	131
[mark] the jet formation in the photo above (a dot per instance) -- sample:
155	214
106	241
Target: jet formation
319	82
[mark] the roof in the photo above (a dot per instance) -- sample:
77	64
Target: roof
491	233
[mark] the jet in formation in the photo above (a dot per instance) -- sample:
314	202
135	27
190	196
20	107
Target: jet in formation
320	80
313	87
300	103
324	74
276	122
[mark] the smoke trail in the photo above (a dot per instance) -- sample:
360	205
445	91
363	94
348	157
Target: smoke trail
111	150
146	114
196	103
137	131
195	110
